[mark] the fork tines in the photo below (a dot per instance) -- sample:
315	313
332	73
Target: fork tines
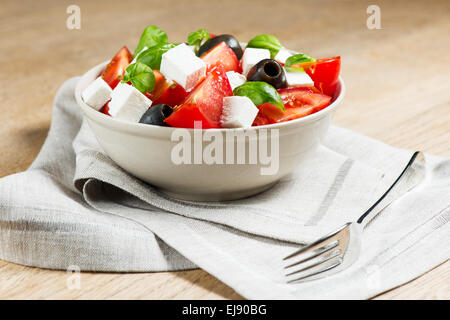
318	257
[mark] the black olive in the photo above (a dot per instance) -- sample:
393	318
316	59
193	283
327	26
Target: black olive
270	71
229	41
156	114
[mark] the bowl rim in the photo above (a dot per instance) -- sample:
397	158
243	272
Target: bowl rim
141	128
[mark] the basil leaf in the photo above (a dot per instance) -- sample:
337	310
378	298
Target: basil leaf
152	56
197	38
141	76
298	58
151	36
294	69
259	92
266	41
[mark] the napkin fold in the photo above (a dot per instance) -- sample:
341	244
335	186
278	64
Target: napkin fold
74	206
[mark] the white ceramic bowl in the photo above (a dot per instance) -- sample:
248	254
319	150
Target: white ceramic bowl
145	151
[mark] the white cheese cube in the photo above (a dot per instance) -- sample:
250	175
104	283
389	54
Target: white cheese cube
181	65
236	79
282	55
298	79
252	56
128	103
97	94
238	112
135	58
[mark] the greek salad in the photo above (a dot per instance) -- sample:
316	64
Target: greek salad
212	79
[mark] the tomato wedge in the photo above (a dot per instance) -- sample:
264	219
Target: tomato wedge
204	103
161	85
268	114
173	95
261	120
105	109
115	70
324	73
298	102
166	93
301	96
222	55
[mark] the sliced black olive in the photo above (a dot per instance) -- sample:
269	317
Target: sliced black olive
229	41
270	71
156	114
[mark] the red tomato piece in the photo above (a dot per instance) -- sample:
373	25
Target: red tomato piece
165	93
161	86
222	55
303	98
204	102
268	114
261	120
298	102
300	96
105	109
173	95
115	70
324	73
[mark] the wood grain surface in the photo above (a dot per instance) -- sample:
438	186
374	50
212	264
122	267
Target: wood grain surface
397	91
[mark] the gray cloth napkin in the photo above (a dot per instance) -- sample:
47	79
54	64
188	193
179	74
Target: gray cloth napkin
74	206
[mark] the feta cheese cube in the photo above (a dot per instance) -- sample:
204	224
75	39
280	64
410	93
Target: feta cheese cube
97	94
282	55
235	79
238	112
135	58
298	79
181	65
128	103
252	56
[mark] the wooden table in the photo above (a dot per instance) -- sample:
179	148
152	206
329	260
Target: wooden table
397	91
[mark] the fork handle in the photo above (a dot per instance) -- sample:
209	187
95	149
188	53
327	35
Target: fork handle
399	187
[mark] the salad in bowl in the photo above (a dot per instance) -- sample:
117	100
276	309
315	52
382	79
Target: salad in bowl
212	79
212	118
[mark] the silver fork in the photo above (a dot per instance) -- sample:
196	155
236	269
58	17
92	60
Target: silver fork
339	249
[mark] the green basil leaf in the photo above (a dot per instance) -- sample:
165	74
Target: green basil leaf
197	38
259	92
152	56
298	58
141	76
266	41
294	69
151	37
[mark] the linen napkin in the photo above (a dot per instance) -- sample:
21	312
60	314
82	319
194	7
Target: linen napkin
74	206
